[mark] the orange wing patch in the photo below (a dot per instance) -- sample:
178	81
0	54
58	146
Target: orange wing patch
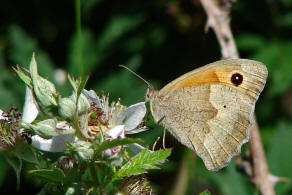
210	75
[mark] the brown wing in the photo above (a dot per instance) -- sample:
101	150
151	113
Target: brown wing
212	118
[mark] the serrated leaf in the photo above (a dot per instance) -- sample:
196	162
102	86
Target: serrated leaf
116	142
51	175
141	162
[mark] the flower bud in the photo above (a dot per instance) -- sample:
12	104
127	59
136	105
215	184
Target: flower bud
67	107
83	104
83	150
45	128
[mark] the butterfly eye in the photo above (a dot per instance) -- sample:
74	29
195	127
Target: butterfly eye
236	79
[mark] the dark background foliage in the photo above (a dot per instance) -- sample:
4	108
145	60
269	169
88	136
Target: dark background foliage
160	40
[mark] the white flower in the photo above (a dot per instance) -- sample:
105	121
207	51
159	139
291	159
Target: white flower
120	121
116	114
117	120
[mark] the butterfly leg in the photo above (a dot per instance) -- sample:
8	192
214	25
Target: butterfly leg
163	140
159	121
154	145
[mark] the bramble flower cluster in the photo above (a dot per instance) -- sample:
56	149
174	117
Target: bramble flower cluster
88	132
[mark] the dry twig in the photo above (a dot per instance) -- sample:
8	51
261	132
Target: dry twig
218	19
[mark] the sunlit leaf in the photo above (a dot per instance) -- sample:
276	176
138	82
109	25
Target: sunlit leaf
142	162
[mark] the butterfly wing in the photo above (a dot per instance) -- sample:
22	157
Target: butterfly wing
212	114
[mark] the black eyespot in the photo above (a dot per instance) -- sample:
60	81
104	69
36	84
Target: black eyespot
236	79
224	106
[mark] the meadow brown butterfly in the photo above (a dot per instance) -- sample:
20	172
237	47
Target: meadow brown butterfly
210	109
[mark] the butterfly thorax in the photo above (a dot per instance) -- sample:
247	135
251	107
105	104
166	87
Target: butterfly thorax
152	96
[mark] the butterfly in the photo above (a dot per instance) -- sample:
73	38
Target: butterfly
210	109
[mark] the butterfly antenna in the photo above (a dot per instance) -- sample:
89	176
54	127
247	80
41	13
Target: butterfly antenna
149	85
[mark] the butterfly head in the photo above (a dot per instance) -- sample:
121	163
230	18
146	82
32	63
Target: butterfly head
149	95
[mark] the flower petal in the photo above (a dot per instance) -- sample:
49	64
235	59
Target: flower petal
1	115
92	97
132	116
55	144
136	148
117	131
30	108
139	130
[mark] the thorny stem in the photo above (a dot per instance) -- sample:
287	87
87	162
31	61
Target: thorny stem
219	21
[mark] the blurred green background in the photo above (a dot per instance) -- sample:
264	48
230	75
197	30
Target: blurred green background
160	40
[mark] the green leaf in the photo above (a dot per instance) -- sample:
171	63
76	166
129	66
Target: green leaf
15	162
279	156
205	192
26	153
104	172
141	162
51	175
116	142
